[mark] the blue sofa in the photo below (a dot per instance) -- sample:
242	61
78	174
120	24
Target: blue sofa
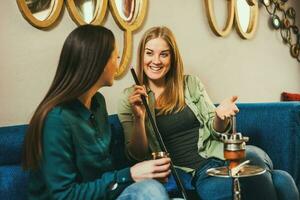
275	127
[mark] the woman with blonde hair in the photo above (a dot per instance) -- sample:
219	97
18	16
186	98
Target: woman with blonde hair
189	122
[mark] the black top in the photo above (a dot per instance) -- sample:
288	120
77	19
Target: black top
180	132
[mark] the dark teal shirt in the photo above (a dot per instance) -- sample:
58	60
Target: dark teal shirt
76	162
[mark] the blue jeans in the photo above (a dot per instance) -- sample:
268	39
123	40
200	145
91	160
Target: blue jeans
274	184
145	190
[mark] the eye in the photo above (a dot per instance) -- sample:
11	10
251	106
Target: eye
164	55
149	53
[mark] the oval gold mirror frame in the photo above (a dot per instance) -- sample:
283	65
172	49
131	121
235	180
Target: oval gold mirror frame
123	24
233	15
249	33
128	28
50	20
212	20
77	17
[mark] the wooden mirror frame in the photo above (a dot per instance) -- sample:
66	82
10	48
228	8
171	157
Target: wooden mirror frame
77	17
212	20
233	15
41	24
252	25
128	28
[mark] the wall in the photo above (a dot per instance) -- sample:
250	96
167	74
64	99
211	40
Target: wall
257	70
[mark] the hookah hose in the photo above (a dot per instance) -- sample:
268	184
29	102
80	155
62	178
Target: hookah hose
159	138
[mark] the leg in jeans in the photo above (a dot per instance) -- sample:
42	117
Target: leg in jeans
282	182
285	185
261	186
146	190
209	187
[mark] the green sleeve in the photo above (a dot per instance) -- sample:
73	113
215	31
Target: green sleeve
208	108
126	118
59	166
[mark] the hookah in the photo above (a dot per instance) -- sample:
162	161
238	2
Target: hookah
234	153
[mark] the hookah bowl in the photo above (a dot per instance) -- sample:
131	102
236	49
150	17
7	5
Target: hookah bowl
234	148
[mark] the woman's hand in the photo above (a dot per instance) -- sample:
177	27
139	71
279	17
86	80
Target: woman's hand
151	169
224	111
136	103
227	108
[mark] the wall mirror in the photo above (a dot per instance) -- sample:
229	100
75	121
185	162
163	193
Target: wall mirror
212	17
246	17
40	9
127	9
129	15
243	12
40	13
87	11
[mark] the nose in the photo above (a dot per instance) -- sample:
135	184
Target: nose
156	59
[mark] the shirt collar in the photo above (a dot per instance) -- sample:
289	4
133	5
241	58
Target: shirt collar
82	110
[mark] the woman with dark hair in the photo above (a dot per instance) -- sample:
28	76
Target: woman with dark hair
67	144
190	124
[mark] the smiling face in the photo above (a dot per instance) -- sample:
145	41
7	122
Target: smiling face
157	59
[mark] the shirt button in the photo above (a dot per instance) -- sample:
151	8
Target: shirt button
113	186
123	179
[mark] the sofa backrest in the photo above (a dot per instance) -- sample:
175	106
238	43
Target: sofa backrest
13	181
274	127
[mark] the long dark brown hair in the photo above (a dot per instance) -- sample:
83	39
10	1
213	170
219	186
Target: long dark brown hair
83	58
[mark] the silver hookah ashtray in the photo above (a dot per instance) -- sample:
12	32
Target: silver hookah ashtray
242	170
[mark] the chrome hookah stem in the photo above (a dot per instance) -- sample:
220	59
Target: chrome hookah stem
236	189
233	125
236	182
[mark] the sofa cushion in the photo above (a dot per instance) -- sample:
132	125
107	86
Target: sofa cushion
286	96
117	145
13	182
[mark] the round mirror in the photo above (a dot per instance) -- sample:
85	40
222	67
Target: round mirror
127	9
129	14
87	11
40	13
41	9
246	15
227	17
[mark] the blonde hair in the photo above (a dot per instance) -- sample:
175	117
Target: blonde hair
172	99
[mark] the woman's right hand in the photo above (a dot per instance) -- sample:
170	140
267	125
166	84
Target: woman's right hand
136	103
151	169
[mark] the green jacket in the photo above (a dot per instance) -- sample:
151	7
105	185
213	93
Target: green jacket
198	101
76	162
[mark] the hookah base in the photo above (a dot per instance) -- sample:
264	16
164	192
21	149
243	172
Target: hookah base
246	171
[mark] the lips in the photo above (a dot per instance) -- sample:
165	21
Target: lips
155	68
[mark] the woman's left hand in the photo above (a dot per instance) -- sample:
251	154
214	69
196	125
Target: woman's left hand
227	108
